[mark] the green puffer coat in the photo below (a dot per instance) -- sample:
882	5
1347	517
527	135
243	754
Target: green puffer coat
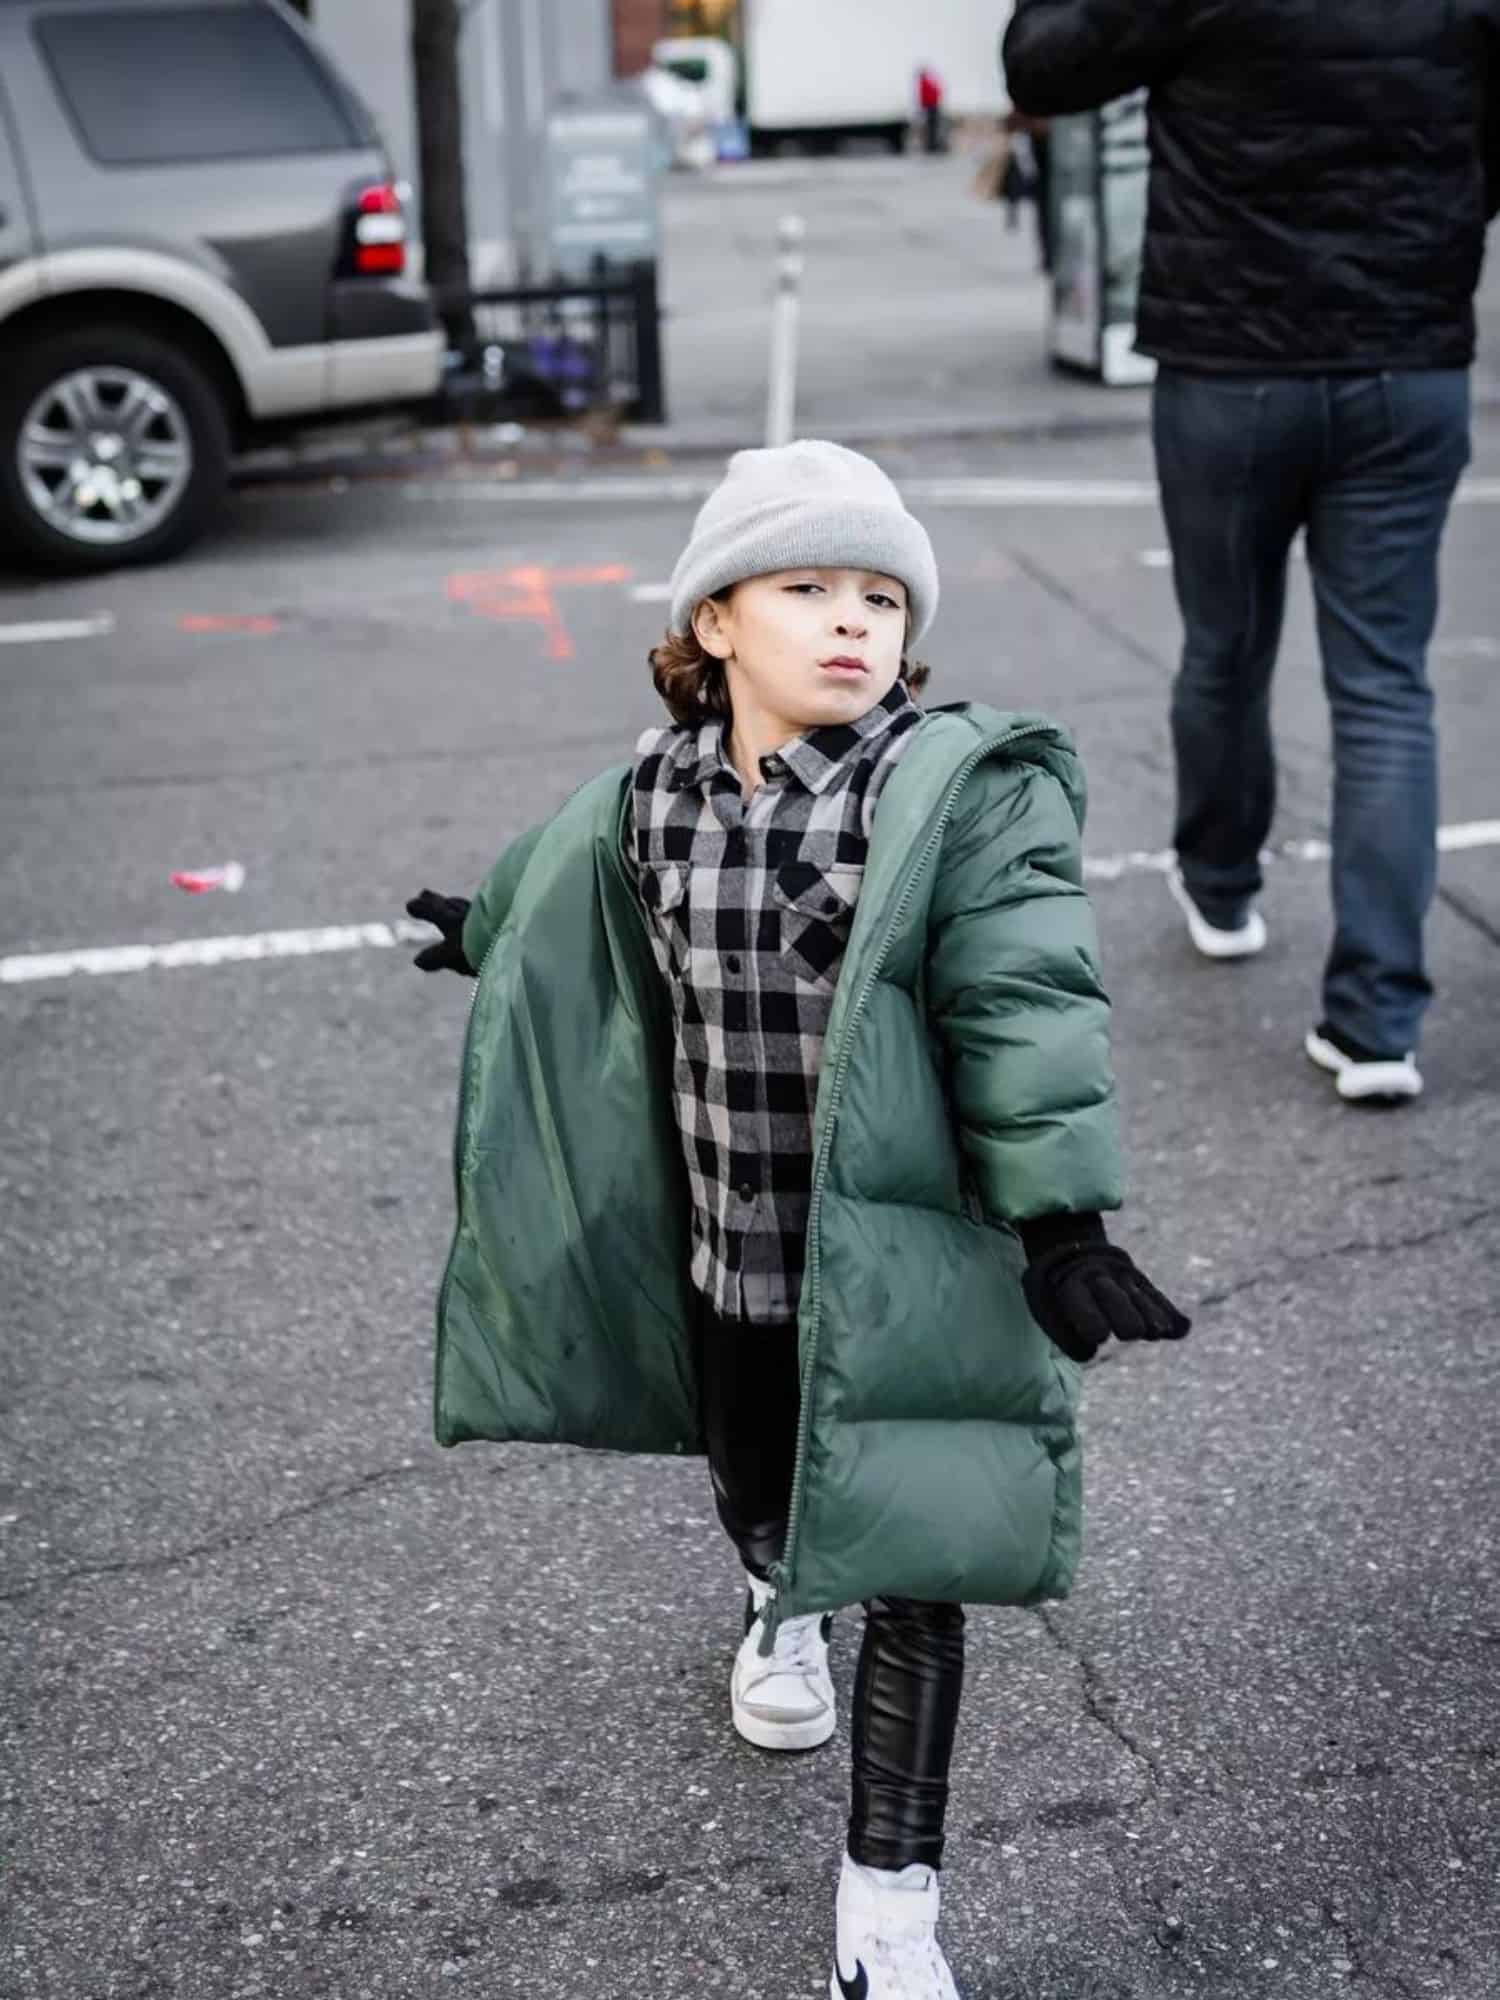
966	1085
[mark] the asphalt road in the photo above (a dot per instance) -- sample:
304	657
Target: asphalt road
297	1705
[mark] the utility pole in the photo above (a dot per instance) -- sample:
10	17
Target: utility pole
435	30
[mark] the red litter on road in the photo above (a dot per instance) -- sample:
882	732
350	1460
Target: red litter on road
199	881
206	622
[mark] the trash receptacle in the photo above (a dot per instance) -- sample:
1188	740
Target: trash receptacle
1099	172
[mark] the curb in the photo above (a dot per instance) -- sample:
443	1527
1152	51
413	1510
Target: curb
383	451
635	448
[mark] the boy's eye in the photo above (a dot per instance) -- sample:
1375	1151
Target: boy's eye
880	598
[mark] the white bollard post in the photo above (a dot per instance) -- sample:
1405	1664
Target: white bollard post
781	387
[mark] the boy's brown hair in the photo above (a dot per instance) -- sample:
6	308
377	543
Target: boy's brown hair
691	682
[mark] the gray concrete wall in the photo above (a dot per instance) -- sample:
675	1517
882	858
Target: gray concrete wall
519	57
368	39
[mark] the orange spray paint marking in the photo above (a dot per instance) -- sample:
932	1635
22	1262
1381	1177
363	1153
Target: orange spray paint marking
526	595
226	622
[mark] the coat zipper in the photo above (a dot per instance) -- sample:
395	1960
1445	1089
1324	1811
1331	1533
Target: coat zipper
781	1572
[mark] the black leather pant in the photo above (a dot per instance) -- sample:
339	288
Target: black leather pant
911	1664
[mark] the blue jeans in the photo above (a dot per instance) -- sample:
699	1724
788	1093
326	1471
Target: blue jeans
1367	464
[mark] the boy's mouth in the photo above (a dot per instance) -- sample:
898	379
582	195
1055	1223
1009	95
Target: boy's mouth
844	663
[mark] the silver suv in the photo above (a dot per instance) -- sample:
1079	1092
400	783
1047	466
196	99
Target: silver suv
199	239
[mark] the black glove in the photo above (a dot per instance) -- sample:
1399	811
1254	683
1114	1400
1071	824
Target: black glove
1081	1289
448	913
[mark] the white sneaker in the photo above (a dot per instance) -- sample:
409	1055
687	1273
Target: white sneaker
1359	1080
784	1701
1244	942
887	1936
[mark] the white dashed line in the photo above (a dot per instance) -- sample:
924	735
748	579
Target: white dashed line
1476	648
1477	833
185	952
56	628
1142	861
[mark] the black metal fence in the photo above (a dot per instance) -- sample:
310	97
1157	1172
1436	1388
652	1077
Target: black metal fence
564	349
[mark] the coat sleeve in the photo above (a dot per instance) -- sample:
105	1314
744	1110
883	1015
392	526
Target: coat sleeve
1074	55
1014	992
491	906
1491	30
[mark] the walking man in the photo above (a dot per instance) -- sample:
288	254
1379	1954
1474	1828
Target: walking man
1320	184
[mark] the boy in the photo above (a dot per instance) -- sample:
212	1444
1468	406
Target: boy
786	1125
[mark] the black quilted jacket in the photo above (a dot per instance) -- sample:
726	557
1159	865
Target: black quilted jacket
1322	170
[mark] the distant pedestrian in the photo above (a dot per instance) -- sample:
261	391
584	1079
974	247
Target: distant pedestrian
1320	183
1028	177
930	104
787	1122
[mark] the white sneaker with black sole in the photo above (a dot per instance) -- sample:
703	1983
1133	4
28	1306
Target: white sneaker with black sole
1243	942
887	1945
783	1701
1364	1079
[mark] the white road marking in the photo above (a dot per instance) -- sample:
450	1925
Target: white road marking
1110	867
1141	861
959	492
1477	833
976	491
104	959
629	487
651	593
1162	558
40	634
212	951
965	491
1477	648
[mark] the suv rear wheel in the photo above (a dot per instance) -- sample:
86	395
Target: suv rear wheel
114	448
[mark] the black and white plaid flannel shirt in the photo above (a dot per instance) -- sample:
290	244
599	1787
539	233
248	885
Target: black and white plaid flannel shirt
750	903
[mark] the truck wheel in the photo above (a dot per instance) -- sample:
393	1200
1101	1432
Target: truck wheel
114	449
895	139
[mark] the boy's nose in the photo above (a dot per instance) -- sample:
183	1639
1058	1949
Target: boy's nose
853	626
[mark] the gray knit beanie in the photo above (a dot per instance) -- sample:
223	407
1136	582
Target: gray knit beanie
808	505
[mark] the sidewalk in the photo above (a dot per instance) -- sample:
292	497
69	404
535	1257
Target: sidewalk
923	315
923	318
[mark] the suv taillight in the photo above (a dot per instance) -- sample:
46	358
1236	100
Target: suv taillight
375	243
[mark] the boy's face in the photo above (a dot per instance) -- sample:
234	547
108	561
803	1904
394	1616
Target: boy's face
807	647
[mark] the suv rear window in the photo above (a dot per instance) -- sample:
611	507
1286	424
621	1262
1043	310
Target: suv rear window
155	85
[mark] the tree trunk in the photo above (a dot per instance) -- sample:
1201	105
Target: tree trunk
435	26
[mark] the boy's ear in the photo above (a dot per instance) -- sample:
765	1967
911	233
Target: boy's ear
708	630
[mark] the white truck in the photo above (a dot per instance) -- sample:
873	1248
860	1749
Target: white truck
818	72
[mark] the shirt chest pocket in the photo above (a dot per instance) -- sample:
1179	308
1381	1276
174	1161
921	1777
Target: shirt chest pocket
664	891
816	907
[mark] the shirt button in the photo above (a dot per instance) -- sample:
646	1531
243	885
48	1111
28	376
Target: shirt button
732	963
832	907
746	1192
